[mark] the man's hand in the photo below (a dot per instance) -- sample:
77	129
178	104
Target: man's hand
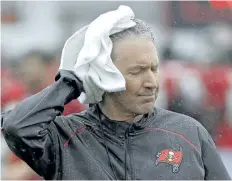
71	79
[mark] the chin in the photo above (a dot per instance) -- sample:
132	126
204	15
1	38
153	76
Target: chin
146	108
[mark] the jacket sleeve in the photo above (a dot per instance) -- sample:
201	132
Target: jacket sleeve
214	167
26	127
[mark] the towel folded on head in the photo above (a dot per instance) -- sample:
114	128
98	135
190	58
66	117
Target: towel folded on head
88	53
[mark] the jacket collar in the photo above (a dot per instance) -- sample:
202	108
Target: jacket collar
118	127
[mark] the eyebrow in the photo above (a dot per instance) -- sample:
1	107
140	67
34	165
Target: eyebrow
143	66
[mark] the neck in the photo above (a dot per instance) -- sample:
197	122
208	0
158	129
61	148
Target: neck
115	111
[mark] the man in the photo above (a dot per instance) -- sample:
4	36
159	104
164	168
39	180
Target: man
122	137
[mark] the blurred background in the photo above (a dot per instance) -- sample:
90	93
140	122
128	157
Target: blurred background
194	40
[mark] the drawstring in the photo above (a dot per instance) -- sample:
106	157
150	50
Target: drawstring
107	150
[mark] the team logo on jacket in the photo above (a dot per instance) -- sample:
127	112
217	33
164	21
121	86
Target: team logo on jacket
170	157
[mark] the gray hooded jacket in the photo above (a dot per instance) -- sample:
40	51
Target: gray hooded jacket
162	145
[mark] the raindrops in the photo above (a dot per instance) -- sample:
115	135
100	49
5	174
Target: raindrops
23	150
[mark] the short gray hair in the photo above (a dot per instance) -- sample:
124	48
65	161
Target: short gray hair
140	29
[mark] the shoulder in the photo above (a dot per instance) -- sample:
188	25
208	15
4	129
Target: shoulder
171	118
182	125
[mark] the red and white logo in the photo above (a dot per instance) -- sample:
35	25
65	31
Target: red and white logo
170	157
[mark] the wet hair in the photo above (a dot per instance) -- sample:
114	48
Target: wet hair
141	29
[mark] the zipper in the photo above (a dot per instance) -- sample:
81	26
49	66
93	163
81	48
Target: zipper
128	175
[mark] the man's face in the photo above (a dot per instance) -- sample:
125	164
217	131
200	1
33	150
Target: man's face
137	60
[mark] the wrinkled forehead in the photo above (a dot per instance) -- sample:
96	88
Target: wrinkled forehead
134	50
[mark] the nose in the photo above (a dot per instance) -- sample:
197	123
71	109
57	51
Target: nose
151	81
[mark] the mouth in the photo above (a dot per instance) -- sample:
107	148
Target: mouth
147	94
148	97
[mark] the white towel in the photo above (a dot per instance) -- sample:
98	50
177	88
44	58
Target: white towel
87	53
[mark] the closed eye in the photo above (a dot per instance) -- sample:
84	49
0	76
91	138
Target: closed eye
154	68
139	69
135	72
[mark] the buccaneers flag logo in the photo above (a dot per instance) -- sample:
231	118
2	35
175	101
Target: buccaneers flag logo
170	157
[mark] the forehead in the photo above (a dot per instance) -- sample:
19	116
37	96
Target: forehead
132	51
